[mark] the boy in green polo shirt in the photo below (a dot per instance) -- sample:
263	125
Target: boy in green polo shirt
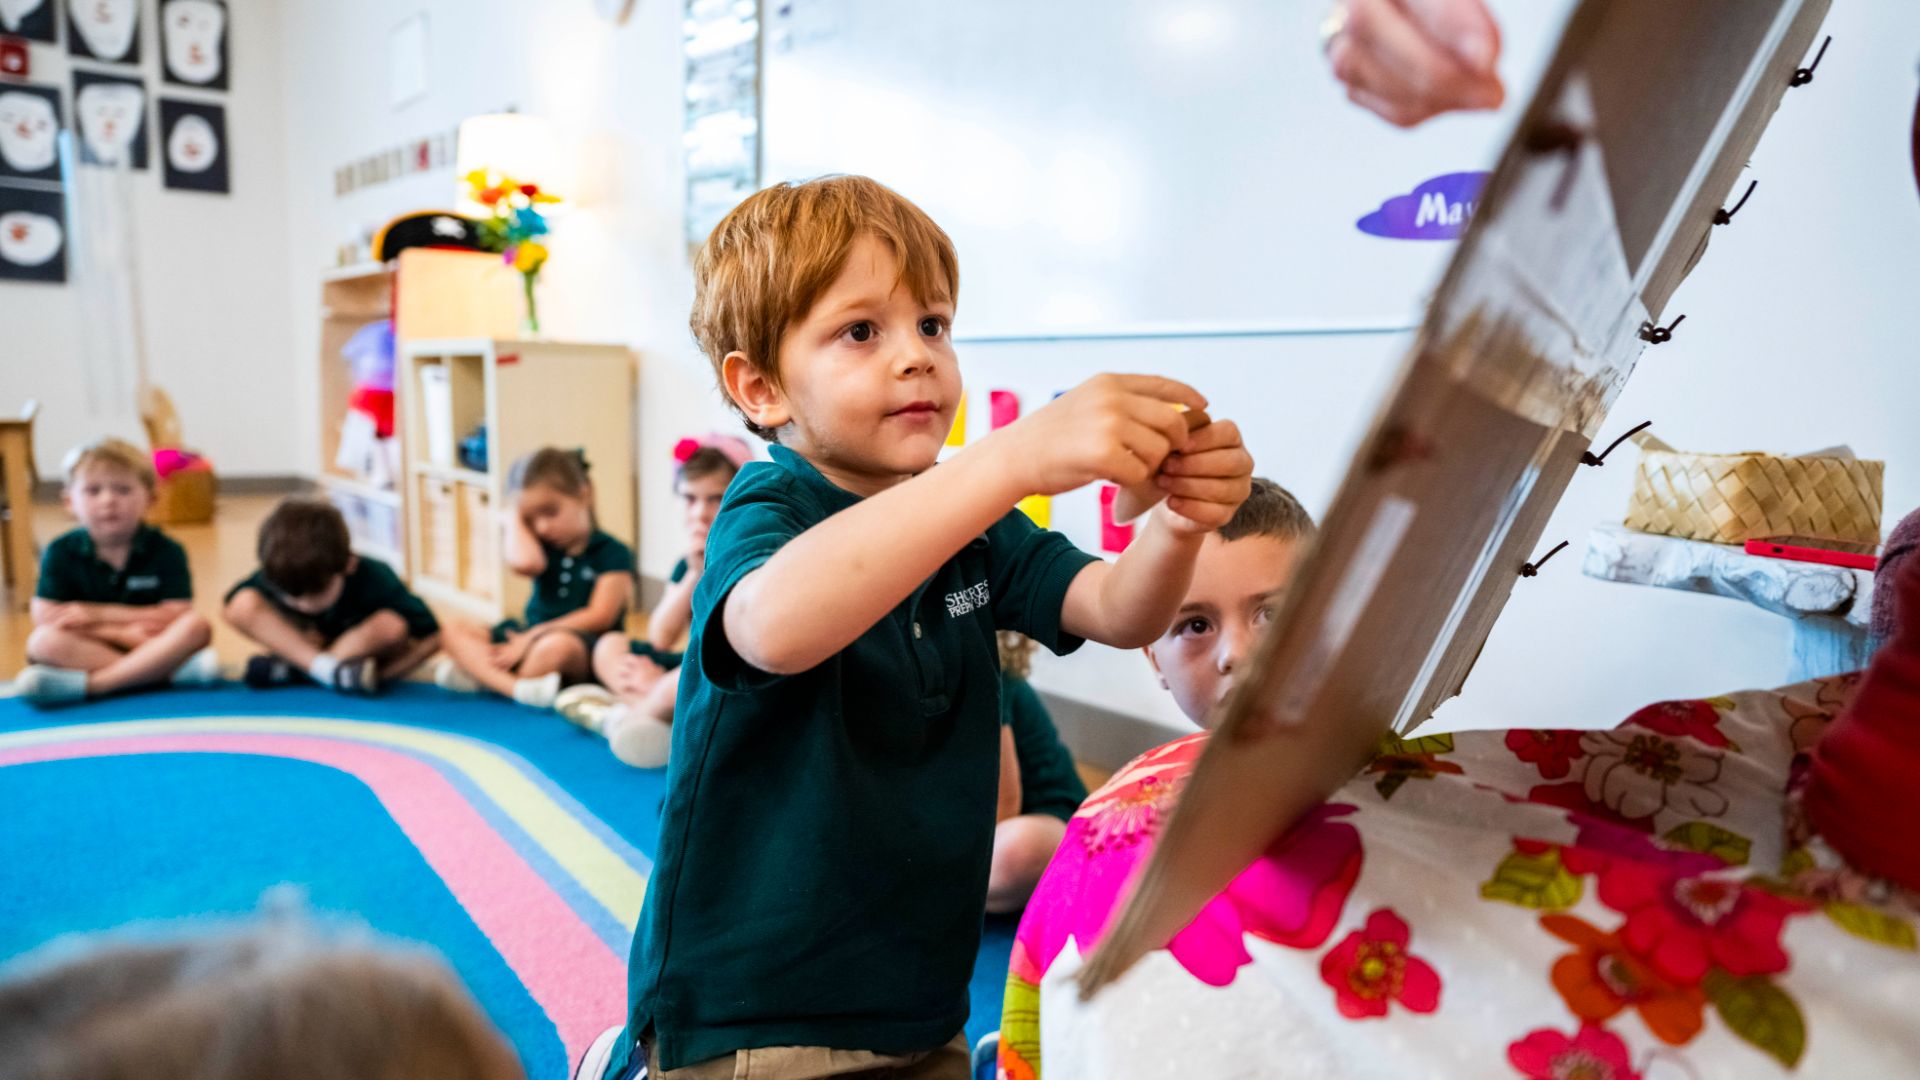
816	903
114	609
323	613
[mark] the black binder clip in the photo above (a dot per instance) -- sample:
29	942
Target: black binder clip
1724	216
1587	457
1659	335
1532	569
1803	76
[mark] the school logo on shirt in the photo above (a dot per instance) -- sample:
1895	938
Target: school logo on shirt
968	600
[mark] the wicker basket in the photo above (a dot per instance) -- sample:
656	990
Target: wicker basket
184	498
1733	498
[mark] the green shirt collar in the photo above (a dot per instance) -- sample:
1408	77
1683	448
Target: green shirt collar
142	541
831	495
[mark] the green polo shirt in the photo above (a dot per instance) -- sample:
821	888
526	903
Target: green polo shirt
1049	784
822	867
566	585
371	586
156	570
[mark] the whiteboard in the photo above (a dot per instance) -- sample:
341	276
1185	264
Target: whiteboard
1112	167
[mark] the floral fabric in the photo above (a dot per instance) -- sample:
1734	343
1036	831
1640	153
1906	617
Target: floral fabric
1638	902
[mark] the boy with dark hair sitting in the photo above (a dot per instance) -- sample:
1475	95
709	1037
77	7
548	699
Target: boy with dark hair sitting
343	620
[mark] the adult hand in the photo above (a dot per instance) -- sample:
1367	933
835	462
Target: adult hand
1411	60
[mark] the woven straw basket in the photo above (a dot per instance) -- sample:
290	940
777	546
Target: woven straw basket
1733	498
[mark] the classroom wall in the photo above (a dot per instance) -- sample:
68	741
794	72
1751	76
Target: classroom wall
212	274
1797	333
618	272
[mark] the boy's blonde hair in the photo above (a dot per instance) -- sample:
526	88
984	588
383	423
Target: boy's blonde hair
765	264
114	453
270	1001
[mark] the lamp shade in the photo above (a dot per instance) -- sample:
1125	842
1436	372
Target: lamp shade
527	148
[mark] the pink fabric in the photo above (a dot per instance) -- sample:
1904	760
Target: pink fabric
167	461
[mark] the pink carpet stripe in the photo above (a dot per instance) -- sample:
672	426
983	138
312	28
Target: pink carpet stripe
577	980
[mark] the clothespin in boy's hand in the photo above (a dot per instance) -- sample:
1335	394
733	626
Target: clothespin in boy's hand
1131	502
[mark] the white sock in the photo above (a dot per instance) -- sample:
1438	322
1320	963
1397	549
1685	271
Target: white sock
447	675
200	669
539	692
41	684
322	669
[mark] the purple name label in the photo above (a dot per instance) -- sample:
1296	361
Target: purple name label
1438	209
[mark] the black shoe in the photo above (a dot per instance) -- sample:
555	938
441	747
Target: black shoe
269	672
360	677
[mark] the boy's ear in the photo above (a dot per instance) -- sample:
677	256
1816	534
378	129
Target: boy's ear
1154	661
753	392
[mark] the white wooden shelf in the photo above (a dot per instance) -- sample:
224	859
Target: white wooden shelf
445	293
528	395
459	473
361	489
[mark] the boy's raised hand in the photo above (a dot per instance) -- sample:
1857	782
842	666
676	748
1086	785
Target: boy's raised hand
1118	428
1207	482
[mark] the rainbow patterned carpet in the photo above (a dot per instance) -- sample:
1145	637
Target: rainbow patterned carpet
512	843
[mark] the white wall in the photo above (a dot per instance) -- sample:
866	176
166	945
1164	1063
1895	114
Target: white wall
1799	335
1798	332
212	273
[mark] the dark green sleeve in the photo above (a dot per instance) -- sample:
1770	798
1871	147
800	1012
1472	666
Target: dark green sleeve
252	581
1049	783
176	578
1030	569
757	520
56	579
393	595
679	573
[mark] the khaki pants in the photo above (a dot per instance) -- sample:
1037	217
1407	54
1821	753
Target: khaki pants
951	1062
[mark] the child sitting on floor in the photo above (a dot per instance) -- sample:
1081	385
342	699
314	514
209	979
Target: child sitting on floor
324	613
815	907
632	701
114	607
1039	786
582	582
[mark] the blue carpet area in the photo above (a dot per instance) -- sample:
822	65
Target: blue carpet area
104	842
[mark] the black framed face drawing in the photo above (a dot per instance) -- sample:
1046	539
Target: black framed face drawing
104	30
29	132
193	146
110	114
193	42
33	235
30	19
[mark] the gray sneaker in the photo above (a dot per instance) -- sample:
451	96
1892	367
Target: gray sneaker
359	677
